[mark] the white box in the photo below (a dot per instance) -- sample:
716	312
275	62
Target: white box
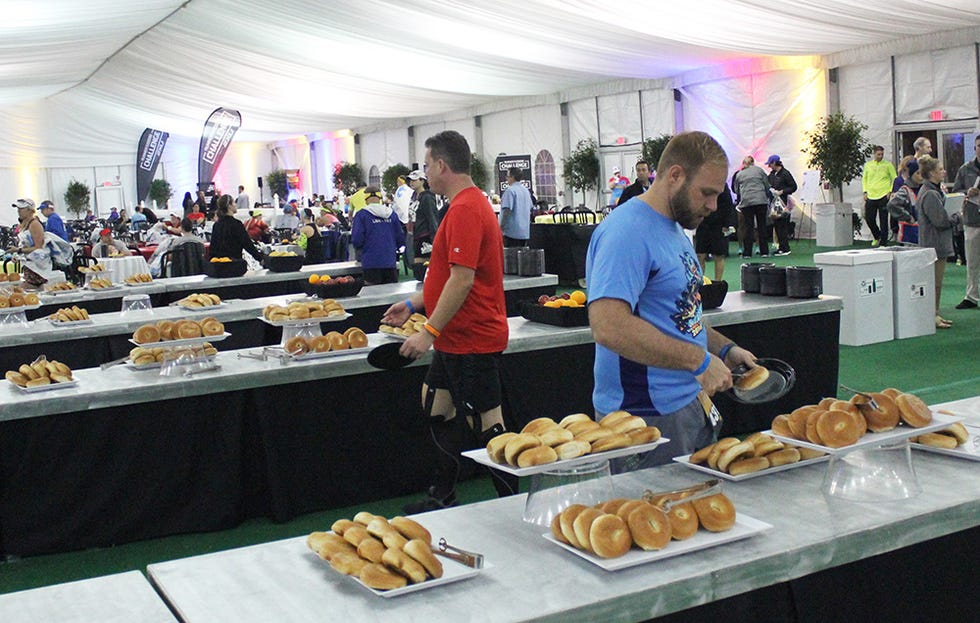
863	280
834	224
914	293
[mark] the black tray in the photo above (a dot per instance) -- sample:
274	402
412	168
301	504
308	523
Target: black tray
284	263
334	291
557	316
713	294
225	270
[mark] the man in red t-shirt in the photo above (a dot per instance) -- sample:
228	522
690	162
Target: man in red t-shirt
467	327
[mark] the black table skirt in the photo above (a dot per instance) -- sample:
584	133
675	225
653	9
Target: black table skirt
565	246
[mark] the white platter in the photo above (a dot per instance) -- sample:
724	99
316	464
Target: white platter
137	284
744	527
394	336
452	571
75	290
200	309
156	365
969	451
686	462
111	288
70	323
191	341
901	433
480	456
332	353
14	310
304	321
45	388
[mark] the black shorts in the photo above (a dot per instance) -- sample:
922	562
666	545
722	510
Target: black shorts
711	242
472	380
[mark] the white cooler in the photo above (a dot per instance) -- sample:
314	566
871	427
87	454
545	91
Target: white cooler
914	294
834	226
863	280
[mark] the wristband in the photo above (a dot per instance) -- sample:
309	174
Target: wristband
704	365
432	330
408	304
725	350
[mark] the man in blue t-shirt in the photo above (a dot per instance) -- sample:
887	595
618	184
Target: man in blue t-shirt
515	211
53	222
655	356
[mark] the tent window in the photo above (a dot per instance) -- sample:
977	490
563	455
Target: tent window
374	177
544	177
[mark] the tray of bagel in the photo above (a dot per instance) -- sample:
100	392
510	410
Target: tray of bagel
62	287
959	440
623	533
411	326
174	334
138	279
299	313
153	358
41	375
18	302
758	454
70	317
198	302
544	445
331	344
835	426
392	557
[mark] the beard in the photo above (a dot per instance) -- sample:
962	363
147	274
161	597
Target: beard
680	208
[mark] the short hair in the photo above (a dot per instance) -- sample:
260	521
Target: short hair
920	143
515	173
224	204
240	187
691	150
186	225
748	160
639	162
878	148
450	147
904	162
928	164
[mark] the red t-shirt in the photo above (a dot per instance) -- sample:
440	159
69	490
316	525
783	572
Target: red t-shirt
470	236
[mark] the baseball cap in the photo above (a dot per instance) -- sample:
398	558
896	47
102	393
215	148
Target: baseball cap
617	170
417	174
256	212
913	166
105	232
773	158
23	203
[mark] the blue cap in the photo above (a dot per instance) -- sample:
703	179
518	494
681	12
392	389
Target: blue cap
772	159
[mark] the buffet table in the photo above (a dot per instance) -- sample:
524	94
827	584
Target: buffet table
120	598
140	455
824	559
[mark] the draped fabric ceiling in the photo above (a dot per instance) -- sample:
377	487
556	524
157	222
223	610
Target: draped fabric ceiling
80	79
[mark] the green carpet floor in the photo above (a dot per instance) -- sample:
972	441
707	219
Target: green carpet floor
938	368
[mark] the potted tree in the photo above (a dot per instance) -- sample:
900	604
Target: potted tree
653	148
276	182
838	149
346	177
478	171
77	198
389	179
161	192
581	168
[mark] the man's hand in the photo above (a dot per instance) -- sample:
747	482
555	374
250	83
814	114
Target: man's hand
717	378
417	344
396	315
738	356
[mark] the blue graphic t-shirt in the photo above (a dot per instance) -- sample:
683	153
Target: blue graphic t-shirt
641	257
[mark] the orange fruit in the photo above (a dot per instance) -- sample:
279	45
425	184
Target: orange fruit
578	296
314	279
324	277
570	303
556	303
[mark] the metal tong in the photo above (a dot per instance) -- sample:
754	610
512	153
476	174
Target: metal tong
871	401
470	559
114	362
685	495
200	370
266	353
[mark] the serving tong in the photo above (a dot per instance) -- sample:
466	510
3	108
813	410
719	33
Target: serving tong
871	401
685	495
114	362
470	559
269	352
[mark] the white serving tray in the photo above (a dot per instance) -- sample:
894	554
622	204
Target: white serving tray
75	290
901	433
744	528
969	451
452	571
304	321
14	310
199	309
111	288
45	388
686	462
137	284
191	341
156	365
70	323
480	456
332	353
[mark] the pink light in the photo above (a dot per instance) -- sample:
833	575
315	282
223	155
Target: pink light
936	115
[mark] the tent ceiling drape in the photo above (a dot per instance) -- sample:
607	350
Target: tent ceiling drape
79	79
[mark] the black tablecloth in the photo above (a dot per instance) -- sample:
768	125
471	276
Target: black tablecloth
565	246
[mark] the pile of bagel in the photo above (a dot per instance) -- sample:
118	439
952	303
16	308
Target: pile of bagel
757	452
197	301
411	326
139	278
99	283
69	314
61	286
166	330
302	310
611	529
953	437
142	356
94	268
334	340
40	372
838	423
544	441
10	277
18	299
385	554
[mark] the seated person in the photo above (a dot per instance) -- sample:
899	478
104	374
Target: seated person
326	218
107	246
256	227
288	219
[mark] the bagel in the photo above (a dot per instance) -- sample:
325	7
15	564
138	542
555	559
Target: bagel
826	402
567	522
166	328
747	466
355	534
626	425
319	343
573	449
348	563
38	382
403	564
579	427
371	549
780	426
379	577
913	411
701	456
797	421
356	338
410	529
187	329
393	539
613	417
611	442
364	518
539	425
421	552
583	525
649	527
326	544
17	378
41	369
337	341
883	418
767	447
28	372
594	434
892	392
518	444
556	530
4	302
737	451
609	536
784	457
938	440
379	526
683	521
957	430
811	426
296	346
495	447
629	506
611	506
716	513
752	378
838	429
538	455
212	327
555	436
809	453
575	417
31	299
146	334
642	436
16	299
756	438
721	446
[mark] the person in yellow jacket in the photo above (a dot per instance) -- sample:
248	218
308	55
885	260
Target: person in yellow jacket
357	201
876	182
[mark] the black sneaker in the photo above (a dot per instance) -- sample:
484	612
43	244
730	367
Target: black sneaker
431	502
966	304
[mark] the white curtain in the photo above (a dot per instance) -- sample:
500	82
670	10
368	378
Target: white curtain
866	94
619	119
943	80
658	112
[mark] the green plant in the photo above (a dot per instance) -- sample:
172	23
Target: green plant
276	183
161	192
838	149
581	168
389	179
478	171
77	197
653	148
347	176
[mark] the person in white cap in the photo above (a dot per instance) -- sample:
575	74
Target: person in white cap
617	184
424	217
31	230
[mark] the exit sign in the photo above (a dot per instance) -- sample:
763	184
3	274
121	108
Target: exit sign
936	115
620	140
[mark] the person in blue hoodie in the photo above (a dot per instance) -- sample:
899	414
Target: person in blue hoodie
378	234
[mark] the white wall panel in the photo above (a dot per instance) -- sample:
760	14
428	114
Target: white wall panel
866	95
657	107
943	80
619	119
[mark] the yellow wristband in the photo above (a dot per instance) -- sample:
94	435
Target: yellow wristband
428	327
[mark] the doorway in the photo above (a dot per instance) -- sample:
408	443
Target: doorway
952	146
625	160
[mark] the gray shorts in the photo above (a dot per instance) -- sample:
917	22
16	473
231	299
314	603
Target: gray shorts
688	430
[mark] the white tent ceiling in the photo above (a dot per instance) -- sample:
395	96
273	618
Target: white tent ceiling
80	79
